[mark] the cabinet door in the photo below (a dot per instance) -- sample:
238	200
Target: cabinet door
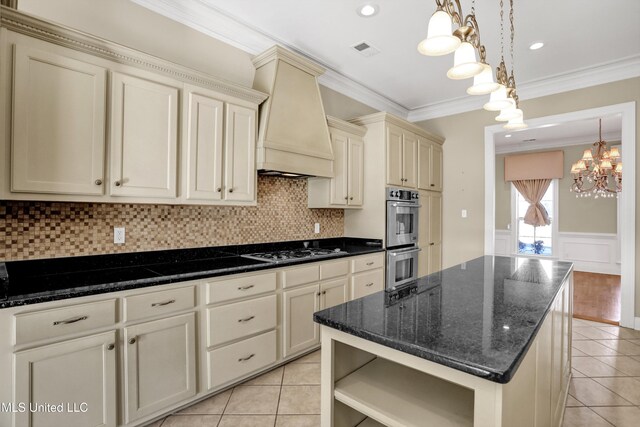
339	190
300	331
424	164
356	172
81	371
144	127
240	154
556	360
435	182
410	160
394	155
334	292
203	154
58	124
160	364
435	232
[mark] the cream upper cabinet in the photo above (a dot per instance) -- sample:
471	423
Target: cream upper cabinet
240	151
346	188
144	137
429	165
395	174
58	143
159	364
74	372
202	144
402	151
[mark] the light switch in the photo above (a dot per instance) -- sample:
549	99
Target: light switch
464	213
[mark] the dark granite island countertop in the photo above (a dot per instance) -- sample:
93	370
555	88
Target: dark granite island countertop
479	317
485	343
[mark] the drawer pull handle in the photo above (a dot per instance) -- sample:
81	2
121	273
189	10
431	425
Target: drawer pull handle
111	346
244	288
160	304
369	284
246	319
244	359
370	263
73	320
132	340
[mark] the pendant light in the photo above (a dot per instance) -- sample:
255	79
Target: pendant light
509	113
516	123
440	40
515	117
483	83
465	64
499	100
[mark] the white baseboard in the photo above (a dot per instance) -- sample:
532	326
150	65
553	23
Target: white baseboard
637	324
589	252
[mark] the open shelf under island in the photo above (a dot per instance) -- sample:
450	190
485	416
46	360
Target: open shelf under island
485	343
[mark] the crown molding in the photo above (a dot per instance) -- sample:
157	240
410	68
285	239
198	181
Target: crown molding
386	117
29	25
519	146
622	69
220	25
345	126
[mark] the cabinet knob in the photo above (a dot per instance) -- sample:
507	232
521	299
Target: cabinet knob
132	340
111	346
98	182
219	189
231	190
432	244
433	185
351	198
346	198
324	292
117	183
318	294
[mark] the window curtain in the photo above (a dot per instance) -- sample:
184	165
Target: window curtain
533	191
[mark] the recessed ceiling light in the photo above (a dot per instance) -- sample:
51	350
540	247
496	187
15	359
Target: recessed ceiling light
508	136
368	10
536	45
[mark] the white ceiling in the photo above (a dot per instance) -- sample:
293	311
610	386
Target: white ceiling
586	42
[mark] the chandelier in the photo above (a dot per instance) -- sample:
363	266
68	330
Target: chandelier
465	42
594	170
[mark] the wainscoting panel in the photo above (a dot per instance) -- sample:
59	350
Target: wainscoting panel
590	252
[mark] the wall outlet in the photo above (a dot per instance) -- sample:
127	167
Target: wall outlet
118	235
316	228
464	213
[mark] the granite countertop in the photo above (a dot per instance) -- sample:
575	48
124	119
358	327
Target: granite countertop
35	281
479	317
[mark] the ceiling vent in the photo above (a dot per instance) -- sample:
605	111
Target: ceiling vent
365	49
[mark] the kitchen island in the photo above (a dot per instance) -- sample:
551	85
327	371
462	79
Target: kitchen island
485	343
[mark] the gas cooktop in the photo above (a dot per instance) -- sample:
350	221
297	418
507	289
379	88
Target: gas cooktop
295	254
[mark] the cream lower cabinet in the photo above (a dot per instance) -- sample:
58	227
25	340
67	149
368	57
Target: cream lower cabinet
300	331
159	364
80	374
346	188
430	233
334	292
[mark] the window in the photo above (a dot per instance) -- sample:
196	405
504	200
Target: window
535	240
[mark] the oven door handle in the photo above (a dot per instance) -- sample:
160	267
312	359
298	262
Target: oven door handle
410	251
405	205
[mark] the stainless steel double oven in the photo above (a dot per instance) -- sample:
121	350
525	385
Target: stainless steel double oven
403	209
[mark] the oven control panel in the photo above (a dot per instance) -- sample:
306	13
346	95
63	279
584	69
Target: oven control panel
401	194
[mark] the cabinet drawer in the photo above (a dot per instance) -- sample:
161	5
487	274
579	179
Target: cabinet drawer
368	262
240	287
155	303
334	269
64	321
299	276
238	320
366	283
236	360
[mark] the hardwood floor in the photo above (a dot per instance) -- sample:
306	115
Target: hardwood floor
596	297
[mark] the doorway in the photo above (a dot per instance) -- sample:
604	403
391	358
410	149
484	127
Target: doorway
627	197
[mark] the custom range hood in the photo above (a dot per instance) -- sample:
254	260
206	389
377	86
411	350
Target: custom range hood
293	137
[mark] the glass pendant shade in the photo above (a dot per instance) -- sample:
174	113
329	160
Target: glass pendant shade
509	113
483	83
465	64
498	100
580	166
517	123
574	168
606	164
440	40
619	168
587	155
614	153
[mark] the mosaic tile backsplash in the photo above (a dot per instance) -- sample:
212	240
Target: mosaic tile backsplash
30	230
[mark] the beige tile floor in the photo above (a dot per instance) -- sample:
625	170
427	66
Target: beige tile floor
605	388
604	391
